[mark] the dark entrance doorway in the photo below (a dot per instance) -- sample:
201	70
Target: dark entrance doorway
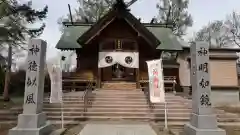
120	73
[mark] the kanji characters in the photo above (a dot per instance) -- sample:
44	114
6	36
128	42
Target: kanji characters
204	83
31	82
205	100
32	65
203	67
30	99
34	50
202	52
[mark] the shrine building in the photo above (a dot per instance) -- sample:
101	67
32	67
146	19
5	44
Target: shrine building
113	51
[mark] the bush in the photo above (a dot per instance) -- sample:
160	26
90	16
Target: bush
17	83
47	83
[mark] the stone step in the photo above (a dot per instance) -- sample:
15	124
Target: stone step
170	113
140	118
114	99
118	98
119	90
112	106
110	114
119	87
148	118
122	86
118	94
118	84
112	103
115	96
171	124
146	110
82	118
117	111
108	95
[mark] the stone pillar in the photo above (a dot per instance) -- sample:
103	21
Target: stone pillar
203	121
33	121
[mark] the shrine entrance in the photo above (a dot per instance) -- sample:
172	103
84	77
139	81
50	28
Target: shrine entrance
118	66
121	73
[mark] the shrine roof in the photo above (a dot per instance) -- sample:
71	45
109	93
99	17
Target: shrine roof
73	31
119	11
70	36
168	40
77	35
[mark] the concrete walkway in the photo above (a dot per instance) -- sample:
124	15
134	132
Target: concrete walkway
117	129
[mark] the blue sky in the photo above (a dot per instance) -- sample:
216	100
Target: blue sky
203	11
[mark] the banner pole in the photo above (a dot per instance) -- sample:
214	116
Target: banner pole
166	122
165	103
61	94
62	115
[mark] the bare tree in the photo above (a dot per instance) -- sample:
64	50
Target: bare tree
215	33
233	26
174	12
221	33
88	11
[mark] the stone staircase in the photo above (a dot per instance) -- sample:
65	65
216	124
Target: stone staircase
119	85
116	105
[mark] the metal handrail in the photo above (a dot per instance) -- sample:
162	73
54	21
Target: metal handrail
86	96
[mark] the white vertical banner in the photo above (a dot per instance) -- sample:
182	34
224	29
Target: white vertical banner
55	73
156	82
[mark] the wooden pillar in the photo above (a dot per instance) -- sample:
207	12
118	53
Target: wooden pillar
99	76
137	69
137	77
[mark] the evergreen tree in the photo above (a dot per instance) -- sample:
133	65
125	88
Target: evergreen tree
15	19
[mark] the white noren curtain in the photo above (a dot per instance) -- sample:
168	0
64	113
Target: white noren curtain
126	59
